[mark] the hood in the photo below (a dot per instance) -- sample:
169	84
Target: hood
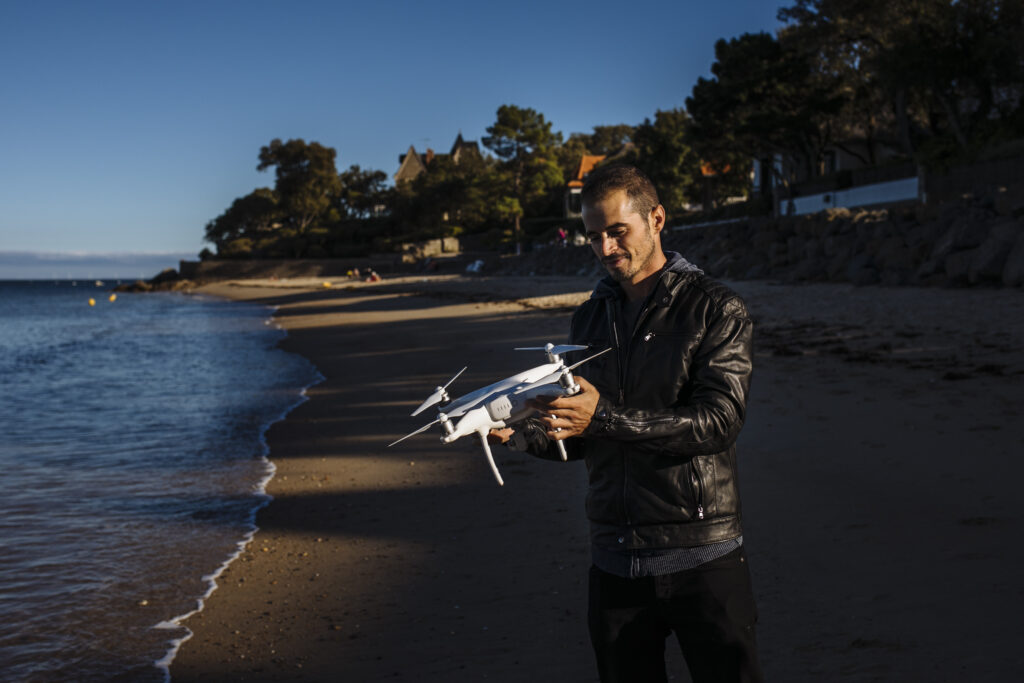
675	263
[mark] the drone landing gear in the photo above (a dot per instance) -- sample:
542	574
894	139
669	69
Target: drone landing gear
490	457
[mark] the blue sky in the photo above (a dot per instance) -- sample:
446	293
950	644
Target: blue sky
126	126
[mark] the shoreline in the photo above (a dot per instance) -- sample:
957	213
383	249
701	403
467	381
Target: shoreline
877	466
263	499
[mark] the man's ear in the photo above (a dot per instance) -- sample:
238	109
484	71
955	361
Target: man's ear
657	218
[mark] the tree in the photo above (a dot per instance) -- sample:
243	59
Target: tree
609	140
448	197
940	74
248	218
525	144
307	181
664	153
569	154
362	193
765	98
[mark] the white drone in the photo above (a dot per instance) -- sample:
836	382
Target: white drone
503	403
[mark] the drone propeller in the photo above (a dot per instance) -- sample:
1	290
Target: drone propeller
553	352
562	377
440	394
551	348
586	360
418	431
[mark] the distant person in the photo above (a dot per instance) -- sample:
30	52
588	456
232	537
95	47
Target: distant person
562	236
657	425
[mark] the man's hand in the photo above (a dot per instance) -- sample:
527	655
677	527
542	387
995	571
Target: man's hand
569	415
500	436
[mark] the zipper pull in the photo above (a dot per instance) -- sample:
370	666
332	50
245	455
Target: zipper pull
700	512
647	337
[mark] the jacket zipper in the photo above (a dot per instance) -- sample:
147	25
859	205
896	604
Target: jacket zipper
610	309
700	488
623	366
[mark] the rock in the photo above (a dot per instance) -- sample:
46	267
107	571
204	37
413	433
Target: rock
893	254
1009	201
969	230
1013	271
989	261
958	266
165	275
865	276
811	269
895	278
861	270
758	272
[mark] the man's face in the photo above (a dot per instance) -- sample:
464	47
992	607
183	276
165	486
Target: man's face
626	243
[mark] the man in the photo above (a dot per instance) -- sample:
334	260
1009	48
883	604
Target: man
656	425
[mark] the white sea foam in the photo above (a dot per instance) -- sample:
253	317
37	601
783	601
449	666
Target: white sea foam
263	499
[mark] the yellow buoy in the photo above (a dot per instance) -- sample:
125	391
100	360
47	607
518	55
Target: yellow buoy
327	284
113	298
92	302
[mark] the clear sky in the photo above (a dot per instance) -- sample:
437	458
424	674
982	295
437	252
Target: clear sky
126	126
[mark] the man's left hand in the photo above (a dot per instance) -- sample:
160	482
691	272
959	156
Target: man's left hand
569	415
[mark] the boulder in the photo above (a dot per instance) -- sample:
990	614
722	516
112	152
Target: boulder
893	254
969	230
165	275
958	266
1010	200
1013	270
861	270
990	259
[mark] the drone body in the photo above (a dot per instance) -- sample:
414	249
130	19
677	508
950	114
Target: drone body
503	403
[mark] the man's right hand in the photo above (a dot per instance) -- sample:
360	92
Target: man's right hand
500	436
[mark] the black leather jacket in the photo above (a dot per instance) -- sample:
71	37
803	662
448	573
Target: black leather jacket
660	451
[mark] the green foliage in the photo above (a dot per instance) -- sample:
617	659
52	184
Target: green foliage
362	193
519	134
568	155
609	140
528	167
664	153
938	79
247	218
447	194
765	97
306	180
508	209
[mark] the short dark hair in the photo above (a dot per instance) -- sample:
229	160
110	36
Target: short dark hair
607	179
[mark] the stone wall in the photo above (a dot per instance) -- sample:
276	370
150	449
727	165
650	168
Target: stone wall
202	271
976	243
415	251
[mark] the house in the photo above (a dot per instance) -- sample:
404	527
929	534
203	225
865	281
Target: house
847	175
412	163
574	187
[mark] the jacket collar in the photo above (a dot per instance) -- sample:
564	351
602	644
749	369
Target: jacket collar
674	272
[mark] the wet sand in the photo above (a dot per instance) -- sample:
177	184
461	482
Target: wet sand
880	464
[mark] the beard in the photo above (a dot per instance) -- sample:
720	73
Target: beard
624	265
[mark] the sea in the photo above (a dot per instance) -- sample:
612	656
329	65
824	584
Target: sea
132	464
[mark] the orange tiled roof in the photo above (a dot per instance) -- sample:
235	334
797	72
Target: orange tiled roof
587	164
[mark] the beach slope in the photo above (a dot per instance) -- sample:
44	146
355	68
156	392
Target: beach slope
880	464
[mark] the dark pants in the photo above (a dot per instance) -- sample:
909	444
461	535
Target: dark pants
710	608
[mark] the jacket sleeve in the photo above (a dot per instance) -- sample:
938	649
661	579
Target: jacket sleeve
712	404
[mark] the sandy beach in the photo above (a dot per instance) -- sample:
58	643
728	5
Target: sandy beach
880	465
